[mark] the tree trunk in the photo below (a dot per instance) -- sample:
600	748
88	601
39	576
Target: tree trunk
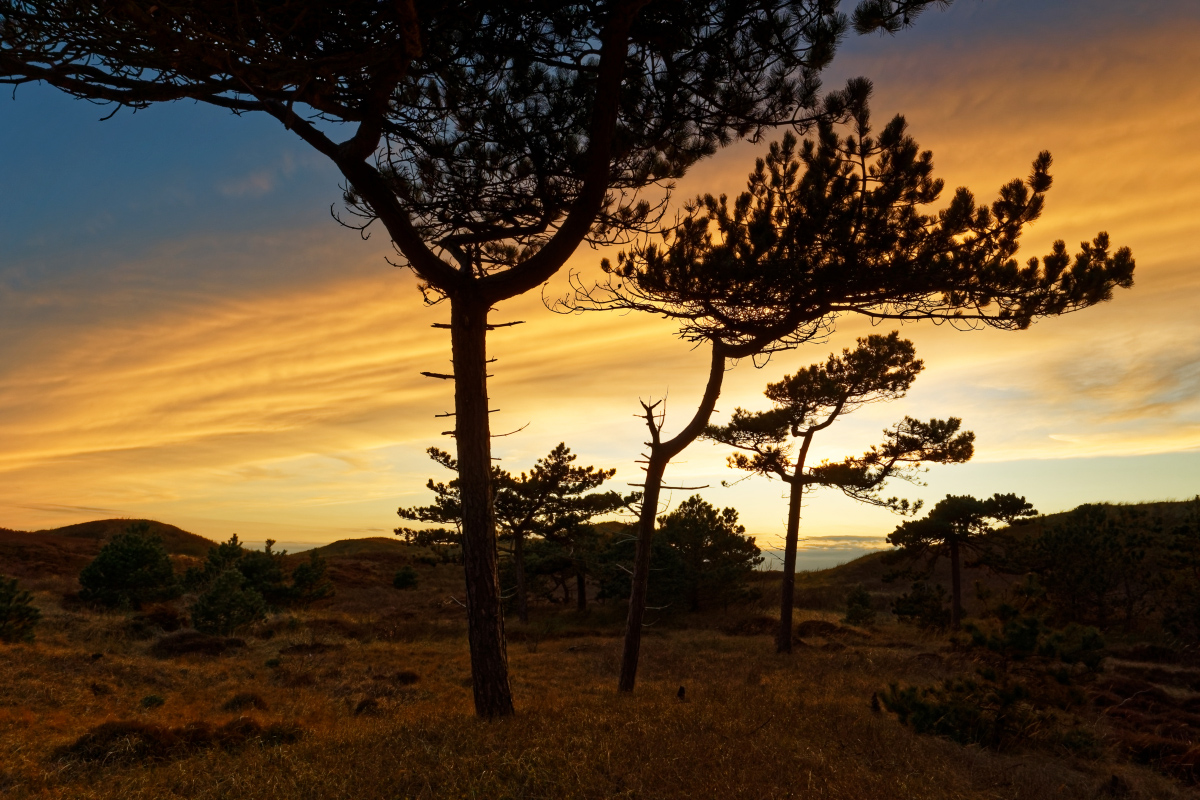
641	570
519	566
660	455
485	624
955	586
580	589
787	592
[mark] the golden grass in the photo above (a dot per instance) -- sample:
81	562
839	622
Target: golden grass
754	725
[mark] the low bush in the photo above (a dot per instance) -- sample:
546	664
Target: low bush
993	713
243	700
406	578
924	606
123	741
18	615
858	608
192	643
227	605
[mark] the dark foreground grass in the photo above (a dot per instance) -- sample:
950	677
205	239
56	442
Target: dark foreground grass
391	717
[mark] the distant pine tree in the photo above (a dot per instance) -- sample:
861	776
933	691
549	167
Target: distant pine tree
957	525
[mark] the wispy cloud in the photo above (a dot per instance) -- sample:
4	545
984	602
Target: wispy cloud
273	378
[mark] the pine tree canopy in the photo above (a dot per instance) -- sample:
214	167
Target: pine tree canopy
881	368
843	224
489	138
960	518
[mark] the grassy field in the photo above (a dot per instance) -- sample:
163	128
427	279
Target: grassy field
368	696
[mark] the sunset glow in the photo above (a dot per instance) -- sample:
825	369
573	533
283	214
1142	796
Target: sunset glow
185	334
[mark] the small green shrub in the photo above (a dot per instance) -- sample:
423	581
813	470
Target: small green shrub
152	701
406	578
309	583
129	571
227	605
923	606
1021	636
18	615
984	710
858	608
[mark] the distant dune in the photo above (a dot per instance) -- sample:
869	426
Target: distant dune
65	551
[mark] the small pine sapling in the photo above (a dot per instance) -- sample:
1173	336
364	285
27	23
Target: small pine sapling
406	578
18	614
858	608
131	570
309	583
227	605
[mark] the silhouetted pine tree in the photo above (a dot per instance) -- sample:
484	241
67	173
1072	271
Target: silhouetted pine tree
957	525
832	226
879	369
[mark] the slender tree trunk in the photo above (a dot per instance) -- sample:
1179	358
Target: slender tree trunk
660	455
955	586
787	592
580	589
485	624
519	566
641	570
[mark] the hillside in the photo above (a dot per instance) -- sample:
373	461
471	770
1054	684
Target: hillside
106	705
178	541
826	589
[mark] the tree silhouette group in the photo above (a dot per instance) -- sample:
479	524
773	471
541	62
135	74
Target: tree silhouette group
491	139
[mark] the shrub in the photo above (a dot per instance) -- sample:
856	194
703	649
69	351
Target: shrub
406	578
923	606
130	570
184	643
152	701
18	615
858	607
262	572
966	710
309	583
227	605
243	700
122	741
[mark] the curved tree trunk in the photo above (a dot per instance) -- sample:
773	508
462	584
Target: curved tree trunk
955	586
641	570
580	589
660	455
485	624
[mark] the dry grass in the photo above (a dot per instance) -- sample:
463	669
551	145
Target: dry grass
384	711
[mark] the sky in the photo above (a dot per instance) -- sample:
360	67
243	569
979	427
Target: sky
187	335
